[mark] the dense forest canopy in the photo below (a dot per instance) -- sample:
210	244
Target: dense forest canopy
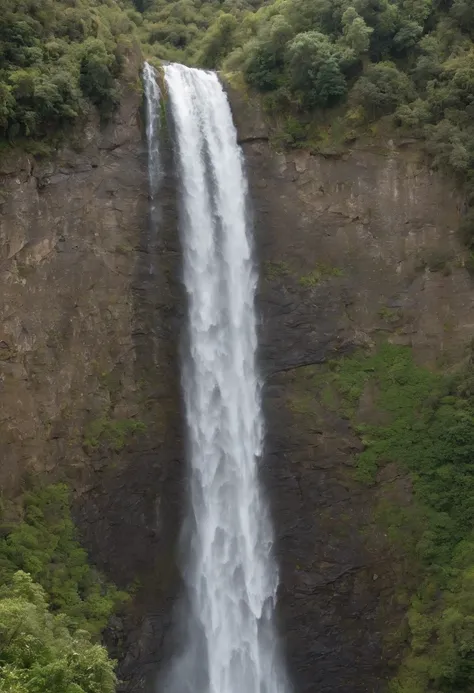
349	65
57	58
412	60
408	61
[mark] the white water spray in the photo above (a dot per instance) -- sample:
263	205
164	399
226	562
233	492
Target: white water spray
228	643
153	120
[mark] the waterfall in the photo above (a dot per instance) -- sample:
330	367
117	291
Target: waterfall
153	119
228	642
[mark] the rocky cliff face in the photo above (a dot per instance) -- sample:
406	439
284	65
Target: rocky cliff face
88	355
351	250
354	249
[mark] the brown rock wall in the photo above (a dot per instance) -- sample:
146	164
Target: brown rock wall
88	331
353	249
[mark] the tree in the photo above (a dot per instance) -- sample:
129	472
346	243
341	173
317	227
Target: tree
44	545
7	106
44	46
265	64
413	116
142	5
314	71
38	650
355	31
307	15
451	147
263	68
428	66
217	41
407	36
381	89
417	10
463	12
278	33
330	85
96	79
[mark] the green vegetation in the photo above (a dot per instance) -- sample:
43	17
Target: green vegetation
52	604
197	32
276	270
438	260
319	274
409	395
390	315
426	426
406	59
327	70
330	70
111	433
39	652
57	58
45	546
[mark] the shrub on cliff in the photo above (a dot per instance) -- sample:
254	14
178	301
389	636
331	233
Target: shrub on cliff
44	545
40	652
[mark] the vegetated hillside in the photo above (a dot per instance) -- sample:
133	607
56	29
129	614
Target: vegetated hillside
409	61
196	32
429	432
59	58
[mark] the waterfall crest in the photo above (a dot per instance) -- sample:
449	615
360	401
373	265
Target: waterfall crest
229	643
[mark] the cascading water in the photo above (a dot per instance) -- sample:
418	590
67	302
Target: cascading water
228	643
153	119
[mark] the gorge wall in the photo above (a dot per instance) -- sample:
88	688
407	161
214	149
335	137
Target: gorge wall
88	353
352	249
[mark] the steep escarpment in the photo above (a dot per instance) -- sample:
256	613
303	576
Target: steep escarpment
88	352
355	250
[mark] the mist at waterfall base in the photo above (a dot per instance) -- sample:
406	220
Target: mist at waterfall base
227	641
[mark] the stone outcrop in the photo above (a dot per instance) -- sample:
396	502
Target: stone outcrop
351	249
